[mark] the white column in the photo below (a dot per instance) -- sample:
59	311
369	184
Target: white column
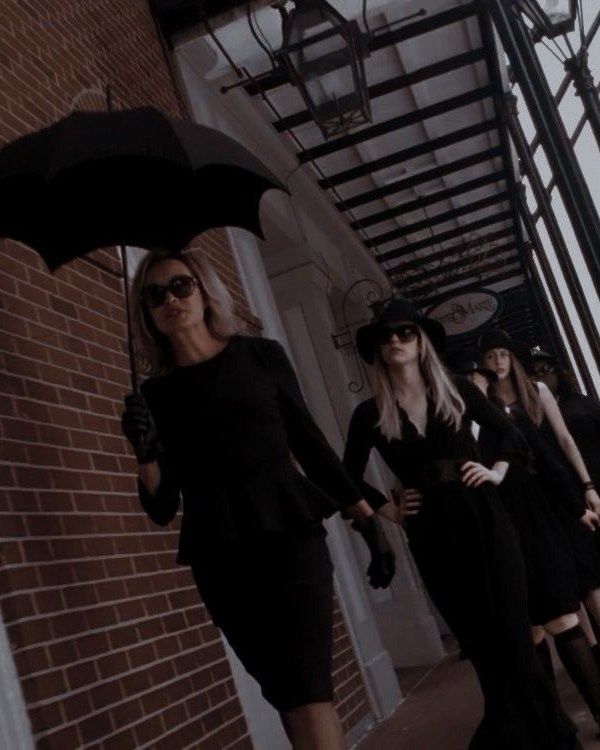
407	628
15	729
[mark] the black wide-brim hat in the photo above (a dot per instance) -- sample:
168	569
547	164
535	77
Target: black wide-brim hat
468	367
390	314
465	362
537	352
496	338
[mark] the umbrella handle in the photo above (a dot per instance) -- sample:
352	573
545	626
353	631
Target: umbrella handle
132	361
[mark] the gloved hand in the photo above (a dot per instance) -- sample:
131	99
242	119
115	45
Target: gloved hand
139	428
382	567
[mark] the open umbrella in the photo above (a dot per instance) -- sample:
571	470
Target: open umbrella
130	177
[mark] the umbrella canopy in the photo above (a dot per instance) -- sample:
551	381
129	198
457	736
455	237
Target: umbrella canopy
131	177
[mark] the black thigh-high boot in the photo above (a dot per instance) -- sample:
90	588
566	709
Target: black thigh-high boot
575	653
544	655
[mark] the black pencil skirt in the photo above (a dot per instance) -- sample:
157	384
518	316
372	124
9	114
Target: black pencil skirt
272	597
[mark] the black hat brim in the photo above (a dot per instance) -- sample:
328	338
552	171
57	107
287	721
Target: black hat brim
367	336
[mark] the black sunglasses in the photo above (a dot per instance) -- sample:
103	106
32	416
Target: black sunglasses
544	369
405	333
154	295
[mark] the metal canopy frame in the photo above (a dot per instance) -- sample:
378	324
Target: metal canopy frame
454	247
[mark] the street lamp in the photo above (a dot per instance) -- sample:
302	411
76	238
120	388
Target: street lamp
323	54
551	17
554	18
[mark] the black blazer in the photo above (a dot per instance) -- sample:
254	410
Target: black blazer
228	453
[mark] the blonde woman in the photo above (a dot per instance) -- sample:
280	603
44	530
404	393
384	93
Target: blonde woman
461	538
216	426
572	571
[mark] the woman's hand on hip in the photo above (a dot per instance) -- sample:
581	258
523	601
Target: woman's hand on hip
591	520
474	474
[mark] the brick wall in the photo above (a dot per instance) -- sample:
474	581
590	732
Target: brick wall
112	644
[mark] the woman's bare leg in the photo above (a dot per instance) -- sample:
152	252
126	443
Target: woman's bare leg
315	726
592	606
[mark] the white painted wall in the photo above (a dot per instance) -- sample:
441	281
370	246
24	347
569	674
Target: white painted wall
15	729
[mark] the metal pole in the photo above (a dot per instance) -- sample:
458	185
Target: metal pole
529	167
546	317
570	180
556	296
583	80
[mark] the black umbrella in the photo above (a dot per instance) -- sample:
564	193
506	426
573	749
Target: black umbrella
131	177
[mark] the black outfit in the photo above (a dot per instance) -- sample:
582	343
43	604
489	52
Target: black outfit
468	555
561	486
251	527
582	417
552	576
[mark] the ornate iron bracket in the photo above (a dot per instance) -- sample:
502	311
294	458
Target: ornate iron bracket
344	338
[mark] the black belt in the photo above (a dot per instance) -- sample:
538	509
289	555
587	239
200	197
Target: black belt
441	471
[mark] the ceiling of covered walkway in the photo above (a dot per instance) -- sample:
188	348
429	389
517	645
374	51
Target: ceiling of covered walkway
428	185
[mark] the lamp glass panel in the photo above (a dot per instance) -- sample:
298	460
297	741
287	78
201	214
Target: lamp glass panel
324	65
558	11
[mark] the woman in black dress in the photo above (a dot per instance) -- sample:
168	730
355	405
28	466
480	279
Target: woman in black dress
217	424
582	417
561	557
462	540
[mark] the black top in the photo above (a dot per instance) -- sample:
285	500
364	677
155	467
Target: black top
229	427
549	462
411	457
582	416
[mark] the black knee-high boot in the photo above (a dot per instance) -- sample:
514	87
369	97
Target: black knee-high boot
575	653
543	652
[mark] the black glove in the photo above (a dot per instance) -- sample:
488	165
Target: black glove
139	428
382	567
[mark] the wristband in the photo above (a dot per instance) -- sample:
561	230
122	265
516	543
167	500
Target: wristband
588	486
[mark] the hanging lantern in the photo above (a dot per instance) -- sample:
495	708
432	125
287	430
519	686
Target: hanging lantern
323	54
551	17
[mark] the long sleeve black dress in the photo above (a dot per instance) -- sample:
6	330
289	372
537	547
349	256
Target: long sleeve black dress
469	558
582	417
552	574
251	528
561	487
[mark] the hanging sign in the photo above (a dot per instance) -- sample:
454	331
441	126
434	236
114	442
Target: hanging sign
465	313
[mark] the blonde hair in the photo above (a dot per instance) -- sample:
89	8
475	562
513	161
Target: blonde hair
153	349
447	401
527	393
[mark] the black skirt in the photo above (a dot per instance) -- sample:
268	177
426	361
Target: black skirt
469	557
272	597
553	577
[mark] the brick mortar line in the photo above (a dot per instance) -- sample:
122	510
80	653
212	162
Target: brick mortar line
17	566
60	367
179	726
62	350
60	404
65	333
214	731
346	681
112	534
104	629
90	686
75	513
61	447
56	467
112	651
104	287
91	607
109	706
360	688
